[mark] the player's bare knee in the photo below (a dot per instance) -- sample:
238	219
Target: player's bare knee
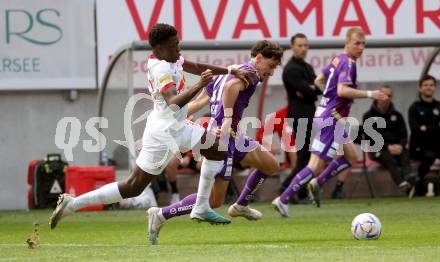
351	157
317	169
271	167
274	169
130	188
352	160
134	184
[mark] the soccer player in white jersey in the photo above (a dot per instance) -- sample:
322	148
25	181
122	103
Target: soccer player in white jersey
166	132
340	82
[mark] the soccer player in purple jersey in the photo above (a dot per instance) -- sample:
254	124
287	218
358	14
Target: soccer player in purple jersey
228	97
339	82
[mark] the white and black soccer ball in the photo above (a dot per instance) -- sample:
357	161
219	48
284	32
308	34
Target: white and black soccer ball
366	226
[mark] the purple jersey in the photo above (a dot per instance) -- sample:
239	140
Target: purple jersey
327	142
215	91
342	70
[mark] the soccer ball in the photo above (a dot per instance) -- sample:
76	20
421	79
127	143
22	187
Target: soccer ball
366	226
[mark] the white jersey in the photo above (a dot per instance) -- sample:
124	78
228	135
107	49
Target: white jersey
167	131
162	75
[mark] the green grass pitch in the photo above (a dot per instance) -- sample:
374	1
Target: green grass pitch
411	232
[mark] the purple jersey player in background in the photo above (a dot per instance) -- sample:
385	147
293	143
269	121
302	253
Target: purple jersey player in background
228	98
338	81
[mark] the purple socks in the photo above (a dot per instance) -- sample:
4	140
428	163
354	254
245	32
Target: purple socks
335	167
302	178
254	181
182	207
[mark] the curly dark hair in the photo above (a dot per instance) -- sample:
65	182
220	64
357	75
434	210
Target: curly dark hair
267	49
159	33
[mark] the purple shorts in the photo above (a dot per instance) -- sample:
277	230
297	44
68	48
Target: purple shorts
327	142
238	147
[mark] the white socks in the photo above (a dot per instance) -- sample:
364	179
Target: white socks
210	168
144	201
108	194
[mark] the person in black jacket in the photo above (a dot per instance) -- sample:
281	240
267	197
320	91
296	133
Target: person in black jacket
298	79
394	155
424	121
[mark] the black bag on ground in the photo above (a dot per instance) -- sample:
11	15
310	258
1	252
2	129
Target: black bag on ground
48	181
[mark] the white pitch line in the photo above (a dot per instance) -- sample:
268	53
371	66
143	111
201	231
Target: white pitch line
72	245
270	246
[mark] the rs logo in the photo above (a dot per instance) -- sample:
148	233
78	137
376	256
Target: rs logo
19	24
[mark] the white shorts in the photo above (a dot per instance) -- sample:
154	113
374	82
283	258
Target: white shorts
158	148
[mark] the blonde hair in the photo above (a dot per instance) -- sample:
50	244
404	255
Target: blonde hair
352	31
385	86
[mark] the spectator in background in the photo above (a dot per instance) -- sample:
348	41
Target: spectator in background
298	79
394	155
424	121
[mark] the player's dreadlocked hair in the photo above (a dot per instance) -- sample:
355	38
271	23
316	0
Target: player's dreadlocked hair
267	49
159	33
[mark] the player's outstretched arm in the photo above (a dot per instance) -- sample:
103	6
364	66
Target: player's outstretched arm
346	91
198	68
197	104
172	98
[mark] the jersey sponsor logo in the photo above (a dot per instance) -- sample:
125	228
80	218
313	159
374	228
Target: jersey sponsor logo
165	79
335	61
248	197
185	208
